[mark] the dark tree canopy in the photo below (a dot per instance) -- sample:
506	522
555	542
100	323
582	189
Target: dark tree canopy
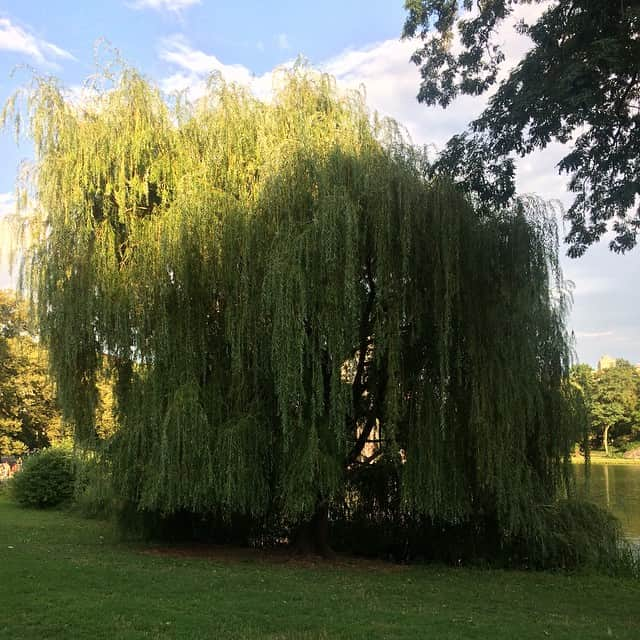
286	299
579	83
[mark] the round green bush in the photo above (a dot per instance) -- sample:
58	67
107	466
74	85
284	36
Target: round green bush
46	480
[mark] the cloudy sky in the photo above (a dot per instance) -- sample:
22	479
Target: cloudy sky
178	43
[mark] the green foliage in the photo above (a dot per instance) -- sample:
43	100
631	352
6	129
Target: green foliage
232	257
105	417
615	396
580	81
574	533
612	397
93	490
29	415
582	377
564	534
47	479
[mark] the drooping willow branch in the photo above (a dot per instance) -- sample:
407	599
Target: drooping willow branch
232	256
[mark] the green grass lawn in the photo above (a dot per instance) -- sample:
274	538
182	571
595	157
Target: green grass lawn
62	576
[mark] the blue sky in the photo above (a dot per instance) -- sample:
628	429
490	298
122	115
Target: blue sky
178	43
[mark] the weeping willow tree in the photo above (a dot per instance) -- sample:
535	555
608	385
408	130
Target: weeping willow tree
285	298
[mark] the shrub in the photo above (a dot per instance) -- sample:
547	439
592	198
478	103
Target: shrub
576	533
47	479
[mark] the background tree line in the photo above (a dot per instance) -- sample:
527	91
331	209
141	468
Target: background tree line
612	398
30	417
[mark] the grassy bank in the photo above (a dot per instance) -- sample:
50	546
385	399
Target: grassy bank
598	457
66	577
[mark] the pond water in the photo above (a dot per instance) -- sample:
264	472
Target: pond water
616	487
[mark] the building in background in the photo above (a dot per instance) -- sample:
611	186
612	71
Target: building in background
606	362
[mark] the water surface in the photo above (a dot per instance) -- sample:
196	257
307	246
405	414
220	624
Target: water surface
616	487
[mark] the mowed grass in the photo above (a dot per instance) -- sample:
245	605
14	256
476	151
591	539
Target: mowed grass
62	576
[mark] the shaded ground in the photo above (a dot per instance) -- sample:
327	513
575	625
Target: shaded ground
272	557
65	577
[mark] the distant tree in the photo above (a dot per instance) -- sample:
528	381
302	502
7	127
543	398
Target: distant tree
582	377
614	401
29	417
579	83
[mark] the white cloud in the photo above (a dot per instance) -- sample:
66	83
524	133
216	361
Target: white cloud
7	204
81	95
391	83
177	51
193	84
383	69
164	5
196	66
16	39
283	41
385	72
593	334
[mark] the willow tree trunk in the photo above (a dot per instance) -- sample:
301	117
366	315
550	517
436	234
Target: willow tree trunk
312	536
